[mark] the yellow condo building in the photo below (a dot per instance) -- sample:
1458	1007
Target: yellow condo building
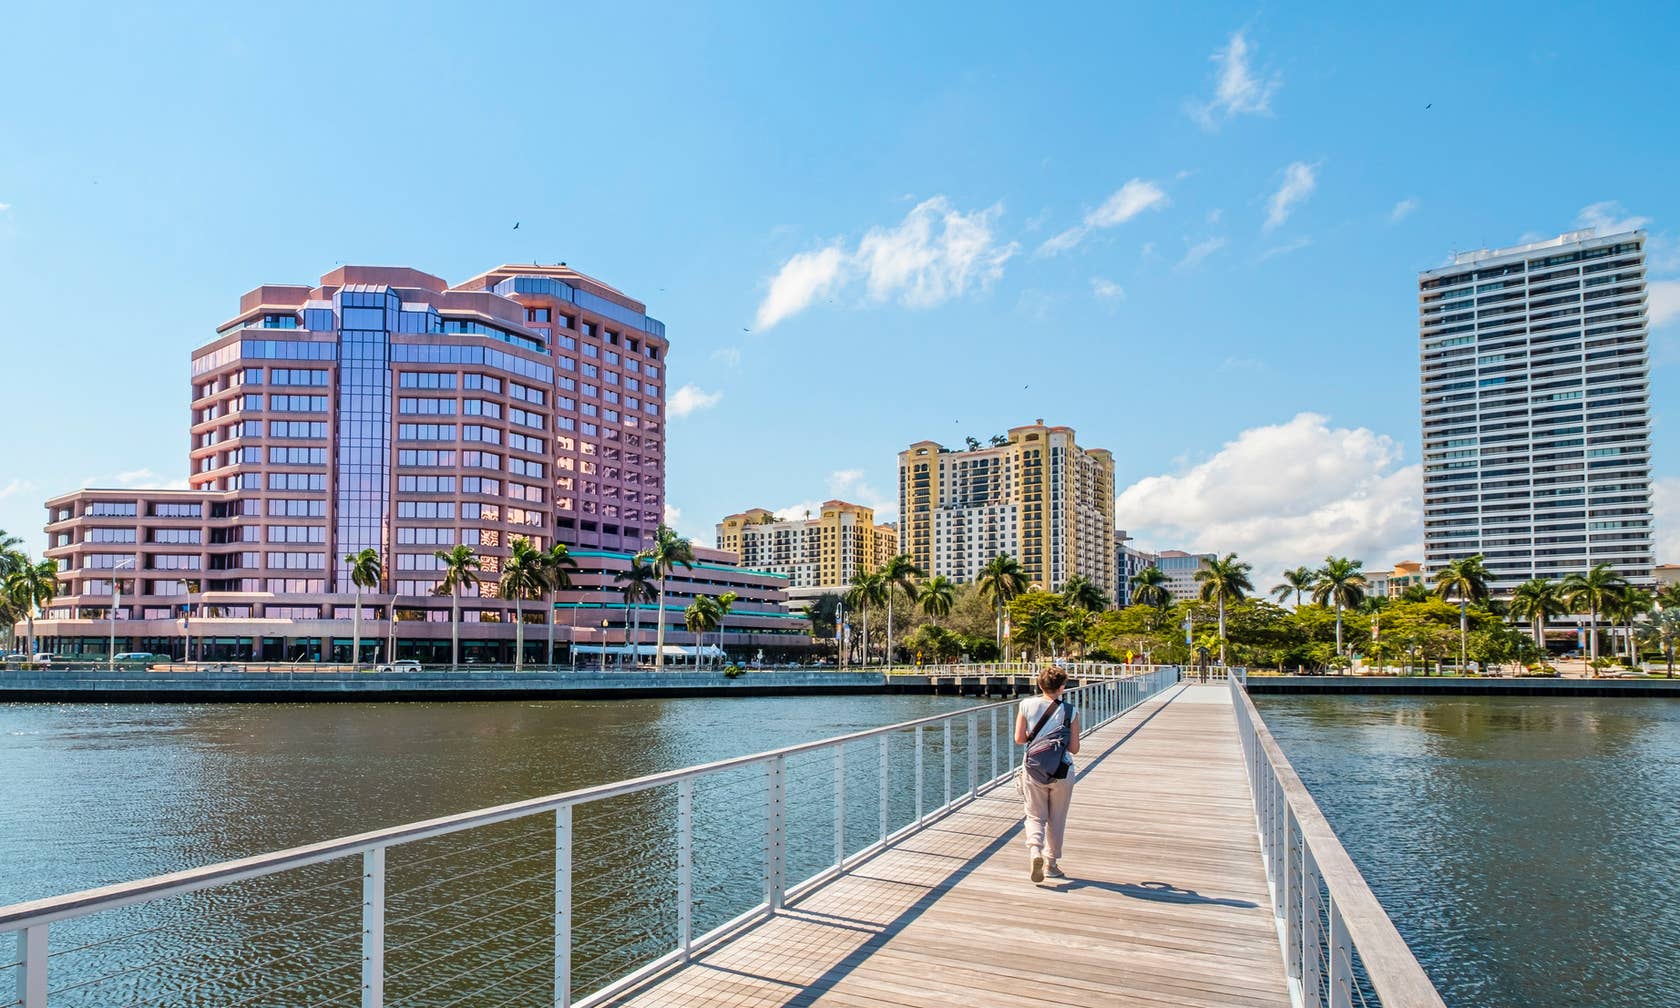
1038	497
817	554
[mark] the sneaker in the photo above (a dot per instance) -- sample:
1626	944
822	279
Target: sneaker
1054	870
1037	865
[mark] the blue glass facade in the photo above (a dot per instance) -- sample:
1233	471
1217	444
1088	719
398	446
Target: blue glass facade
363	414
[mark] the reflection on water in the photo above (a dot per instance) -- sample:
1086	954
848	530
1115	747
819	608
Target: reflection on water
1524	846
97	794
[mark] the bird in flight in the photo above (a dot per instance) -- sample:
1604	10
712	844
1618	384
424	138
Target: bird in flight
1431	105
516	225
745	329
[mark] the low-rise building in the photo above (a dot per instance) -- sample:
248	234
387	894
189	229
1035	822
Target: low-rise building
1406	574
817	554
1180	568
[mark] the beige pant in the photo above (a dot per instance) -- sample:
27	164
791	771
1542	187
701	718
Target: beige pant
1047	812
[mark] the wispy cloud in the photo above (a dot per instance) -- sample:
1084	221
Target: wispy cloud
1107	290
849	485
1238	88
1609	218
1131	199
1299	181
1231	364
1402	210
690	398
935	254
1662	304
4	207
135	479
1199	251
1285	248
15	487
729	356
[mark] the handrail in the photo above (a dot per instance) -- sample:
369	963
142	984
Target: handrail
1326	913
989	735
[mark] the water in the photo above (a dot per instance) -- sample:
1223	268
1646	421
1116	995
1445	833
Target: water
97	794
1523	846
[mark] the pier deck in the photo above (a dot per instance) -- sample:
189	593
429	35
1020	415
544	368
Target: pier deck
1166	902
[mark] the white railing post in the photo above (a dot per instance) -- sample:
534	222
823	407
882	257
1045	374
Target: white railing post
777	881
373	928
919	773
946	724
1312	933
840	805
1341	961
974	755
563	907
32	967
884	772
994	744
685	866
1291	886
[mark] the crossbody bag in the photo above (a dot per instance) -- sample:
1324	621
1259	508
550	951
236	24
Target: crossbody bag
1021	771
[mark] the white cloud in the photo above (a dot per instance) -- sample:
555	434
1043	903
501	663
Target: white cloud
1238	89
4	207
799	511
935	254
136	479
1402	210
1665	507
1107	290
1608	217
1199	251
1131	199
1285	495
1285	248
849	485
730	356
1662	304
673	514
15	487
1214	215
690	398
1299	181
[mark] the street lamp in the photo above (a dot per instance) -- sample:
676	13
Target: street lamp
116	601
391	636
603	645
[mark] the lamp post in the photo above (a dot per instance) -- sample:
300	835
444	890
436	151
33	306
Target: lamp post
116	602
391	636
603	646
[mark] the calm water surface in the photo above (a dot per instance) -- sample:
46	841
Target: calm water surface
1526	847
96	794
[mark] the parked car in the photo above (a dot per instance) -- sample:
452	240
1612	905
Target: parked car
401	665
45	658
134	658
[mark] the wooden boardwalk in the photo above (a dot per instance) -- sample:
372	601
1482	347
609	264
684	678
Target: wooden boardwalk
1165	905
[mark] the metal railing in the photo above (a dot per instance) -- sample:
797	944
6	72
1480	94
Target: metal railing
1339	946
562	900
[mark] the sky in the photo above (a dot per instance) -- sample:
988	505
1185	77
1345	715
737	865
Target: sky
1194	238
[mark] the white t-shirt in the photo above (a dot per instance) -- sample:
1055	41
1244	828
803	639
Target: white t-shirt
1032	708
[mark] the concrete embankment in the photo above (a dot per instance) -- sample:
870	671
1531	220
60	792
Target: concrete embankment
1443	686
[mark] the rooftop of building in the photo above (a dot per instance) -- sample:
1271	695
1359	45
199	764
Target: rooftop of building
1583	238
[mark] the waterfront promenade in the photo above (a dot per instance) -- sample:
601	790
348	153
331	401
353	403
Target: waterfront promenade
1165	904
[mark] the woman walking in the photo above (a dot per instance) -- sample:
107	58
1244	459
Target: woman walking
1049	728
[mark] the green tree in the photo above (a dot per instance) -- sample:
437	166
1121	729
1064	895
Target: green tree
1296	581
1043	627
936	596
1538	600
1466	578
524	576
1081	592
1149	587
1662	632
725	602
668	552
558	567
898	572
365	572
701	615
1001	579
1628	605
867	589
1078	626
1340	583
1224	580
30	586
1595	591
460	569
639	585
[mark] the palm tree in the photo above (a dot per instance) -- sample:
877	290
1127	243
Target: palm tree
524	576
638	585
1663	631
669	550
365	571
1295	582
700	616
867	589
937	594
558	566
1340	582
1077	627
460	569
725	602
1466	578
1149	587
1081	592
899	572
1039	626
1667	597
1001	579
30	586
1223	580
1538	600
1629	604
1596	590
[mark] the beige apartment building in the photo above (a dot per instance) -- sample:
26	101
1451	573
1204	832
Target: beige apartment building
816	554
1039	497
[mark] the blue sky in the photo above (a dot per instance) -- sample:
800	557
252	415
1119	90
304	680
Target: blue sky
1194	238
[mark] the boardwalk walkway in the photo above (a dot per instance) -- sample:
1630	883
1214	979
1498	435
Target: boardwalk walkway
1166	902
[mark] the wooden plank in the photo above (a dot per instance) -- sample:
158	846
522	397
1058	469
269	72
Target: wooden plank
1166	903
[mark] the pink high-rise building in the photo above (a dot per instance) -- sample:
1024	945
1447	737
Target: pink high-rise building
386	409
